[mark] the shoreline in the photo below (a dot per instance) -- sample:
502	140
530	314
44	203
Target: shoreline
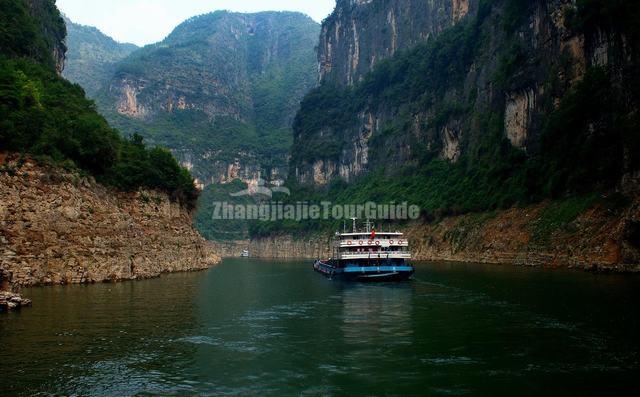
58	227
594	234
597	270
11	300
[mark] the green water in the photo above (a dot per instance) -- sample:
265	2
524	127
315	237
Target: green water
267	328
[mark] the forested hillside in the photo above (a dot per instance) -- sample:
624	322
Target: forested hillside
92	57
44	115
220	91
505	103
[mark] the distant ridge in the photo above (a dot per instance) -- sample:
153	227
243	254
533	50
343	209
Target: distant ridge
92	56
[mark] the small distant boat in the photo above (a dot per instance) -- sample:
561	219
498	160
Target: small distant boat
244	254
368	256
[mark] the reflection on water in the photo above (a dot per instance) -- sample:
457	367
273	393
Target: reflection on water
376	314
100	339
269	328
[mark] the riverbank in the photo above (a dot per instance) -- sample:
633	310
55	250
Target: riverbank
588	233
277	247
595	233
58	227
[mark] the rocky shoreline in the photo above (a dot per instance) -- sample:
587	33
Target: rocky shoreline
58	228
10	301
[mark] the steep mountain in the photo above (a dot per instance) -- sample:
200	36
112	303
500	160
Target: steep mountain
92	56
79	203
45	115
220	91
33	29
467	105
360	33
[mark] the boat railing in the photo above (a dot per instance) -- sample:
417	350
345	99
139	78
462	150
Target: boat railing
376	255
372	243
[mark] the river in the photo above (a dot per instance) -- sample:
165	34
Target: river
250	327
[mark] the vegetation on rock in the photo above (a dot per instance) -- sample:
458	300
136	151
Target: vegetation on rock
44	115
92	57
585	139
222	86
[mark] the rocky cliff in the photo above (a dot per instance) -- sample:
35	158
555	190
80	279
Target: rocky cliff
487	104
33	29
277	247
52	28
360	33
596	239
220	91
58	227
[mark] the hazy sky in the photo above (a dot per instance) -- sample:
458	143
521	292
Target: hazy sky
148	21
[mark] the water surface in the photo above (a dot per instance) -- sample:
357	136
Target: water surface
252	327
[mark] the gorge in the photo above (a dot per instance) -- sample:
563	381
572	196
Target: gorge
480	112
459	84
220	91
491	146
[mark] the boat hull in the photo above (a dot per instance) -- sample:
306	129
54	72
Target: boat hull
365	273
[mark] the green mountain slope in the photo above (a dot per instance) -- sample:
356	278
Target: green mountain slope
512	103
221	91
46	116
92	56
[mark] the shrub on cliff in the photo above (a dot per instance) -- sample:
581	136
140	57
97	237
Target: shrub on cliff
138	166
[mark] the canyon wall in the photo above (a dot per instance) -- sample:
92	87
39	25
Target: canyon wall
360	33
454	65
48	18
92	57
357	36
595	240
281	247
58	227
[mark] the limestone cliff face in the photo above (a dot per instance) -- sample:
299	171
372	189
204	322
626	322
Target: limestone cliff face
52	29
551	56
360	33
222	169
280	247
221	90
60	228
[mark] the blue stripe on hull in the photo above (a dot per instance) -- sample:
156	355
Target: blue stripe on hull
365	273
